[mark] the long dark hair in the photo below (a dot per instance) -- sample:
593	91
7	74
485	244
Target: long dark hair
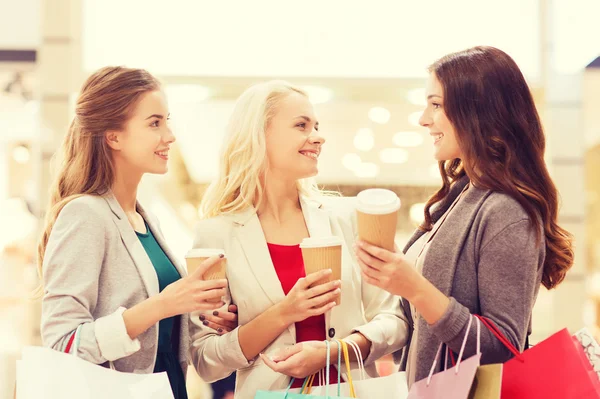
498	129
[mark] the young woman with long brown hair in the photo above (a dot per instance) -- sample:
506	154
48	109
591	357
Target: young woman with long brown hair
112	290
490	234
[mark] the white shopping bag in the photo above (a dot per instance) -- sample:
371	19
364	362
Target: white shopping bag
393	386
46	373
590	347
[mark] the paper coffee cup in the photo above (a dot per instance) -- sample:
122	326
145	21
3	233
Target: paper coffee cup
320	253
377	214
218	271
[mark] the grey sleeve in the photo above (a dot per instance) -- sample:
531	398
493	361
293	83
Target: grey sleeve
508	278
71	269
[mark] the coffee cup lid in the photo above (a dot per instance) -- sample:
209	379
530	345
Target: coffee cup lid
321	242
377	201
203	252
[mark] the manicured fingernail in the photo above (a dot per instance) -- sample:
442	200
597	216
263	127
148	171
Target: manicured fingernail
219	330
328	271
215	313
205	322
202	317
221	256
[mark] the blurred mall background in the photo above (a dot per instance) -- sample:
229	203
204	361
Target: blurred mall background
364	65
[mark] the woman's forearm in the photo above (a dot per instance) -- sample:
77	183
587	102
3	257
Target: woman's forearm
259	333
142	316
430	302
363	343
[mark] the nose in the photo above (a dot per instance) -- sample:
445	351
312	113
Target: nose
316	138
425	120
170	137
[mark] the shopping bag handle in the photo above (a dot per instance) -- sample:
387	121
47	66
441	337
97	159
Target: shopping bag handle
348	373
309	381
498	334
462	349
359	358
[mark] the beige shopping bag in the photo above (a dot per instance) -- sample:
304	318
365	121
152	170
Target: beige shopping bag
487	383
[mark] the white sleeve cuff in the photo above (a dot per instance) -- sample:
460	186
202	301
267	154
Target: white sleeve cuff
112	337
379	343
232	342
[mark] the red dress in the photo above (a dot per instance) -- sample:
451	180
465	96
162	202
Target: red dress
289	267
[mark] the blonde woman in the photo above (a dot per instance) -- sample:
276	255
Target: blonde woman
112	289
262	205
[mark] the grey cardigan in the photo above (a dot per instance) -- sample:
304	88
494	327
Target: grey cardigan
95	267
485	257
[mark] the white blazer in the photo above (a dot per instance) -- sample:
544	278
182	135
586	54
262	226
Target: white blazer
254	287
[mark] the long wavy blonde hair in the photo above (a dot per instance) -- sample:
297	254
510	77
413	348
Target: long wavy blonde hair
105	103
243	160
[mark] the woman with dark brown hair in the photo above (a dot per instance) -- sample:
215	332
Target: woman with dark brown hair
490	235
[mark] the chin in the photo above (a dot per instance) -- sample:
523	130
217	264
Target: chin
440	156
313	173
159	171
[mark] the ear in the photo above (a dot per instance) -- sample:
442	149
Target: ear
112	139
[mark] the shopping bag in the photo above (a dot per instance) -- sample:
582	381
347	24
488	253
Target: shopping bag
391	386
555	368
330	392
487	383
46	373
591	348
454	383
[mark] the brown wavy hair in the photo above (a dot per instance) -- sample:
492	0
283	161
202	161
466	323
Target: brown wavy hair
498	129
105	103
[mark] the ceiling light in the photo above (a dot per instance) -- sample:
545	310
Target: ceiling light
393	155
408	139
21	154
364	139
379	115
366	170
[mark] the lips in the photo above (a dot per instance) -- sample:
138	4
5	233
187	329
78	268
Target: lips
310	154
437	137
164	154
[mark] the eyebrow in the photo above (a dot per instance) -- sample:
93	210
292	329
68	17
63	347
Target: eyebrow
306	118
433	95
157	116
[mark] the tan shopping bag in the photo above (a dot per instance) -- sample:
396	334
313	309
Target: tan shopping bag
487	383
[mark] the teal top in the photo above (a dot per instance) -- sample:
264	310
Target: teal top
168	329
